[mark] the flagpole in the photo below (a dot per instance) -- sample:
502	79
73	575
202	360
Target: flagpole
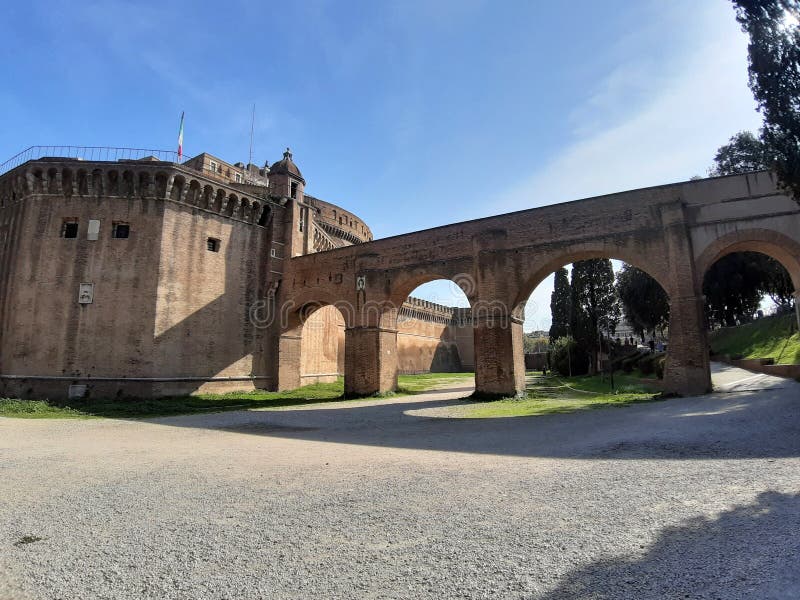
180	139
252	127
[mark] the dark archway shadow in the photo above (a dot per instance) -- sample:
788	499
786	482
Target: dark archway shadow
755	424
749	551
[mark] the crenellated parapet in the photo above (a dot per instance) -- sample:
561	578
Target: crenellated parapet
425	310
133	179
339	223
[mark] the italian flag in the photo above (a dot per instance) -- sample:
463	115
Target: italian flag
180	140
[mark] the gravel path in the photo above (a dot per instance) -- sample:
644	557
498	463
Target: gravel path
687	498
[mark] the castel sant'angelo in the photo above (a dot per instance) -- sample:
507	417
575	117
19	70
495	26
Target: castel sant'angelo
145	276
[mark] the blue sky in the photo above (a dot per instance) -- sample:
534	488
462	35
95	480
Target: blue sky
412	113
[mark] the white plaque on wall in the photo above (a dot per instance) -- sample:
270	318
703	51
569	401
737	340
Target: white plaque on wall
86	293
94	230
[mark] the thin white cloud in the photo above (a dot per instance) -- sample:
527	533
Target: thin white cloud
670	138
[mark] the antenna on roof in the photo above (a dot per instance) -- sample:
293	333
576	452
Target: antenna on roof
252	127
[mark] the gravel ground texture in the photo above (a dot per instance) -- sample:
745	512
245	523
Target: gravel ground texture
684	498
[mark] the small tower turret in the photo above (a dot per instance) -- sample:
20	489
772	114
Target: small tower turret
285	179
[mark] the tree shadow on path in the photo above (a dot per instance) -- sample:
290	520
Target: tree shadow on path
751	551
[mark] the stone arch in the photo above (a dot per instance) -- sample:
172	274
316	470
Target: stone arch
97	182
161	184
67	182
219	201
128	187
244	211
264	215
178	184
231	206
53	183
322	344
458	273
82	179
193	193
292	345
434	335
145	184
38	181
772	243
540	269
207	201
112	177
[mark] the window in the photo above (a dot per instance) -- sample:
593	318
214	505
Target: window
237	178
69	228
214	167
121	231
212	245
294	189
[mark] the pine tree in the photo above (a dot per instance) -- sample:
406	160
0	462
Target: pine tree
595	303
774	70
560	306
644	301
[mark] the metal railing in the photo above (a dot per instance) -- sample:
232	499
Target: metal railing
89	153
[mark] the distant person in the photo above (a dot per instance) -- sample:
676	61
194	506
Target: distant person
652	344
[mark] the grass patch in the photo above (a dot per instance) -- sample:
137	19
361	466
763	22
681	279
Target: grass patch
413	384
136	408
554	394
37	409
127	408
770	337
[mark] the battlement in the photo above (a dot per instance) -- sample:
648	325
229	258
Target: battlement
138	178
425	310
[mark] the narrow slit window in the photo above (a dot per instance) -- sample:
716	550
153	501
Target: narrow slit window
121	231
212	245
69	228
294	190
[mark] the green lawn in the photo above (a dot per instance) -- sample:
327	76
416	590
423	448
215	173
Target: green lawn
411	384
770	337
554	394
126	408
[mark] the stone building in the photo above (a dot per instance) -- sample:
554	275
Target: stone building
148	277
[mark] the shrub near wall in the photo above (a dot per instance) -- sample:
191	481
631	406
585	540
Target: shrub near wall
567	355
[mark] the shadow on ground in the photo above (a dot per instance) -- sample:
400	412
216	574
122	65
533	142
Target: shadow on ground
735	555
762	424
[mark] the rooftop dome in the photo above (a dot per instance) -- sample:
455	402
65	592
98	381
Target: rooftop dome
286	166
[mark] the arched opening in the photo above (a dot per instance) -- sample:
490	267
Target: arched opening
52	181
595	316
263	219
193	195
38	181
208	198
144	184
750	302
161	185
97	183
219	200
434	329
66	182
128	184
176	193
322	344
232	206
113	183
83	182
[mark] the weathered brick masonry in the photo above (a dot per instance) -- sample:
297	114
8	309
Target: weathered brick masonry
221	284
673	232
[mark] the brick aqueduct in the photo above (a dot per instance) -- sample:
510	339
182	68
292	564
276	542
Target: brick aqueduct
148	277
